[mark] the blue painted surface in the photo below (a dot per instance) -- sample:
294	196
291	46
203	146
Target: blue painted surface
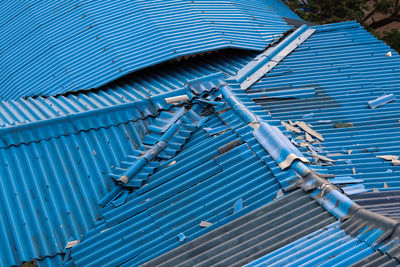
129	99
51	189
52	47
329	246
348	68
55	176
199	184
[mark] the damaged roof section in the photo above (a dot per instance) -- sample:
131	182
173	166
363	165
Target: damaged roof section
335	76
211	181
209	150
84	45
131	98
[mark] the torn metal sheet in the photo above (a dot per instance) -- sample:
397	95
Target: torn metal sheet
71	244
321	157
309	138
309	130
290	127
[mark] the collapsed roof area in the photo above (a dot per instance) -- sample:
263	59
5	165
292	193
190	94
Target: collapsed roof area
285	153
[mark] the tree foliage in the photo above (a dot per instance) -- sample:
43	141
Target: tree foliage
372	14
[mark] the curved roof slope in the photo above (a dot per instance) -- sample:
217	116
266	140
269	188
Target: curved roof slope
51	47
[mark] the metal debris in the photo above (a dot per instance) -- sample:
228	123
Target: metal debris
380	101
388	157
334	154
307	116
175	99
388	54
238	205
303	144
291	128
309	138
396	162
279	194
308	129
324	121
320	157
343	125
205	224
181	237
172	163
71	244
354	170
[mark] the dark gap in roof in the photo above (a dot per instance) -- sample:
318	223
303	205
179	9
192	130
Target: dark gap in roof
164	66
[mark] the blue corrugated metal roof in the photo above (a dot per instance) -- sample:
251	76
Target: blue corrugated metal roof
385	203
52	47
329	246
166	174
75	141
131	98
51	189
201	183
271	227
327	83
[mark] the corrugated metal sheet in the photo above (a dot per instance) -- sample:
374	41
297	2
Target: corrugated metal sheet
386	203
327	83
119	102
199	184
377	259
264	230
52	47
206	175
329	246
51	189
